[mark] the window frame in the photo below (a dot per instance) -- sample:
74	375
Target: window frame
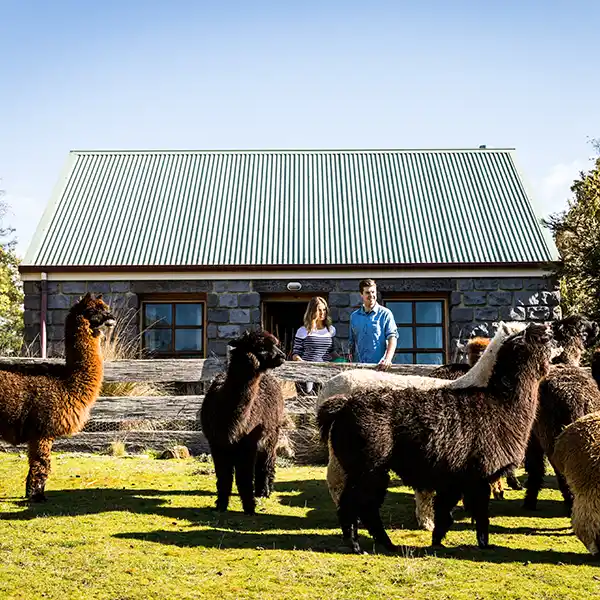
173	300
424	297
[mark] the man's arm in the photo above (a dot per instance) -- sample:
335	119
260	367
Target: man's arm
391	335
386	361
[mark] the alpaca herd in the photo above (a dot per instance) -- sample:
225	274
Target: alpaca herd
451	436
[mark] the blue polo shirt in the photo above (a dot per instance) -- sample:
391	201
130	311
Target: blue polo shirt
369	332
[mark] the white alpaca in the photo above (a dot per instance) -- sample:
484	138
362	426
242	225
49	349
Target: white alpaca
353	380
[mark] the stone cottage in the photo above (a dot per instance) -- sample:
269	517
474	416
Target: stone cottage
192	248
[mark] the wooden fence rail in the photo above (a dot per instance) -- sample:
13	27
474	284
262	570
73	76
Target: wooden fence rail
189	370
157	421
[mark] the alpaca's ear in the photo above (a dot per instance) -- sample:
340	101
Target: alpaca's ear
505	328
234	343
86	298
99	297
592	332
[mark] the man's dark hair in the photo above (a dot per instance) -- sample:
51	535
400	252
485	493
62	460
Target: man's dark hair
365	283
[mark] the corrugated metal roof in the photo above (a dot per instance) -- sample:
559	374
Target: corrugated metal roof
343	207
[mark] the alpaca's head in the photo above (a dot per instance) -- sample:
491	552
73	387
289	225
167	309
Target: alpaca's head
576	327
95	311
475	348
530	349
261	347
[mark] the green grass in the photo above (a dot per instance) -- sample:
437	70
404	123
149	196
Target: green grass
125	528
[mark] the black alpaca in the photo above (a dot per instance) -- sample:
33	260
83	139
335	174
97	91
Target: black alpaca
241	416
566	394
452	441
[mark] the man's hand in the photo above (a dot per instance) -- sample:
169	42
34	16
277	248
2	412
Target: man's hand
384	364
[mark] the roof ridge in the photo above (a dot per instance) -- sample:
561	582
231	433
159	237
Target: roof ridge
283	150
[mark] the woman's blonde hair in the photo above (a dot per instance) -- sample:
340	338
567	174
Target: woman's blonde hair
310	315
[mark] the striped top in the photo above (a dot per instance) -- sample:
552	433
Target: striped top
315	346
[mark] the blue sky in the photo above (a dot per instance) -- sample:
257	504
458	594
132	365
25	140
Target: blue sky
207	75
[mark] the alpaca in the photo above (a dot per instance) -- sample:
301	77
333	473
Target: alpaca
453	441
475	348
356	380
577	456
242	415
575	334
596	367
40	403
566	394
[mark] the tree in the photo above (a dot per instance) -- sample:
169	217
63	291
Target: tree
11	290
577	235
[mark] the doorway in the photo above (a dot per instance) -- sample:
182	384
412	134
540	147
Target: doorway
283	315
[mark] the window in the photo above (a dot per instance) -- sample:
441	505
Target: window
173	328
421	330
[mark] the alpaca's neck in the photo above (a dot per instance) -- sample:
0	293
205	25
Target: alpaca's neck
243	379
571	354
517	387
83	358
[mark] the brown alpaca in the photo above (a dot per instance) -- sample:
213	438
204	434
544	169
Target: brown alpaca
577	455
475	348
453	441
242	415
566	394
39	403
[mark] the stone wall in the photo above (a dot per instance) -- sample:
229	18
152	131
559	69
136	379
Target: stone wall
233	306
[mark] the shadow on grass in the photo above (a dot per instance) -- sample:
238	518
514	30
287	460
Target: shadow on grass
397	511
287	532
236	539
162	502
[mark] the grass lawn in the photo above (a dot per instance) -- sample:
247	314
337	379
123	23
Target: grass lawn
124	528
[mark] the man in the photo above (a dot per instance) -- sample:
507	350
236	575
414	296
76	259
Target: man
373	332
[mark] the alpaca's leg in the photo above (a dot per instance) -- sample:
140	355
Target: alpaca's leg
223	459
264	470
564	490
245	460
261	477
477	498
536	469
39	469
424	509
498	489
512	480
445	500
370	498
348	518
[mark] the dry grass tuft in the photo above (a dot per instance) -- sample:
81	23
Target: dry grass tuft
116	448
124	343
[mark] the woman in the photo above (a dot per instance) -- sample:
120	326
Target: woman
314	340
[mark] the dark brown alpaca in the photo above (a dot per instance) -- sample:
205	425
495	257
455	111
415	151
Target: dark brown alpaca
242	415
452	441
566	394
596	366
475	348
39	403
